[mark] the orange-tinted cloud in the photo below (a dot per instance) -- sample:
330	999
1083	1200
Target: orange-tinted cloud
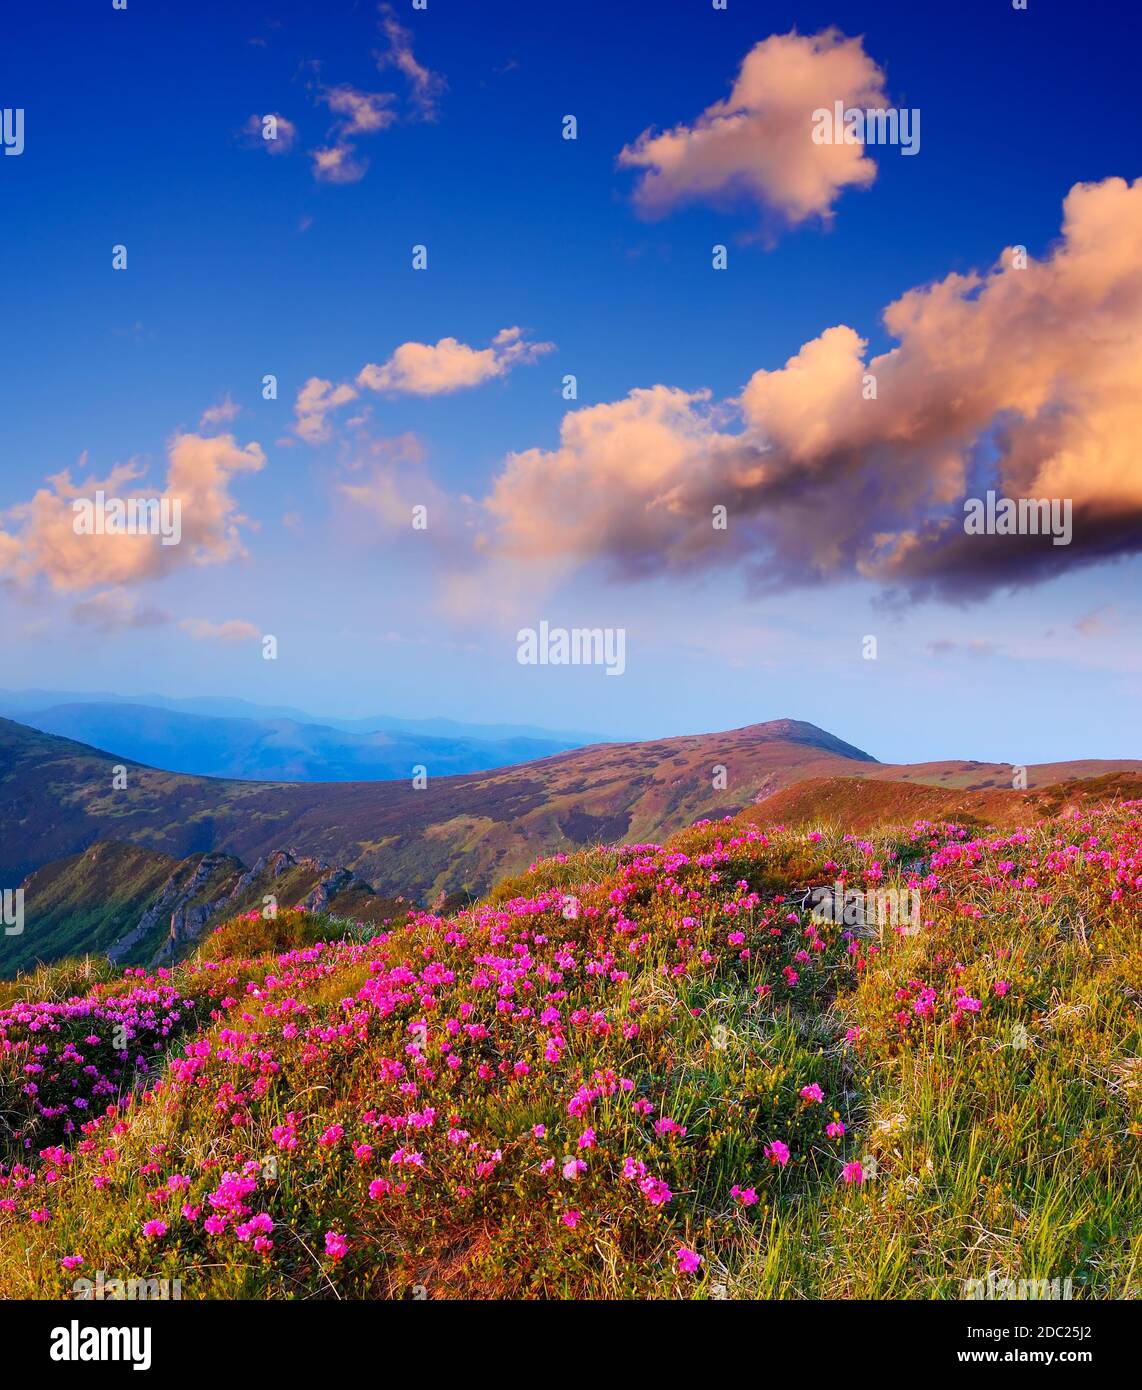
277	137
39	541
314	402
366	113
624	482
425	86
361	113
223	413
436	369
1027	381
757	144
414	369
337	163
232	630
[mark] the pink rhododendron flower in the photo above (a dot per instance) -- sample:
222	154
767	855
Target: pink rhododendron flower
665	1126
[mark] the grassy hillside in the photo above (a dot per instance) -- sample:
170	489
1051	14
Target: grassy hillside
863	804
643	1071
85	903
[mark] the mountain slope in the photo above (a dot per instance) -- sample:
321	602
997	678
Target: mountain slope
57	798
860	805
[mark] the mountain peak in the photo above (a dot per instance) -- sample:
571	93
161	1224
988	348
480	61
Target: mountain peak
801	731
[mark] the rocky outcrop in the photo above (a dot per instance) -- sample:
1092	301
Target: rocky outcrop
176	904
336	882
206	889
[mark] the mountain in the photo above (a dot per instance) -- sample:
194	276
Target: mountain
58	797
101	863
275	749
20	704
141	907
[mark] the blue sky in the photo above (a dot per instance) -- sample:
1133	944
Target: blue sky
241	263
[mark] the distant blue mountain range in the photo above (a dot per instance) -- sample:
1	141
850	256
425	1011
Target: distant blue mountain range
221	737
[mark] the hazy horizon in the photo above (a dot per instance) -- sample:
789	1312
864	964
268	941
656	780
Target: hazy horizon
286	711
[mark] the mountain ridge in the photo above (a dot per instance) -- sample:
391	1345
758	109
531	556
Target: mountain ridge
15	702
273	749
455	833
